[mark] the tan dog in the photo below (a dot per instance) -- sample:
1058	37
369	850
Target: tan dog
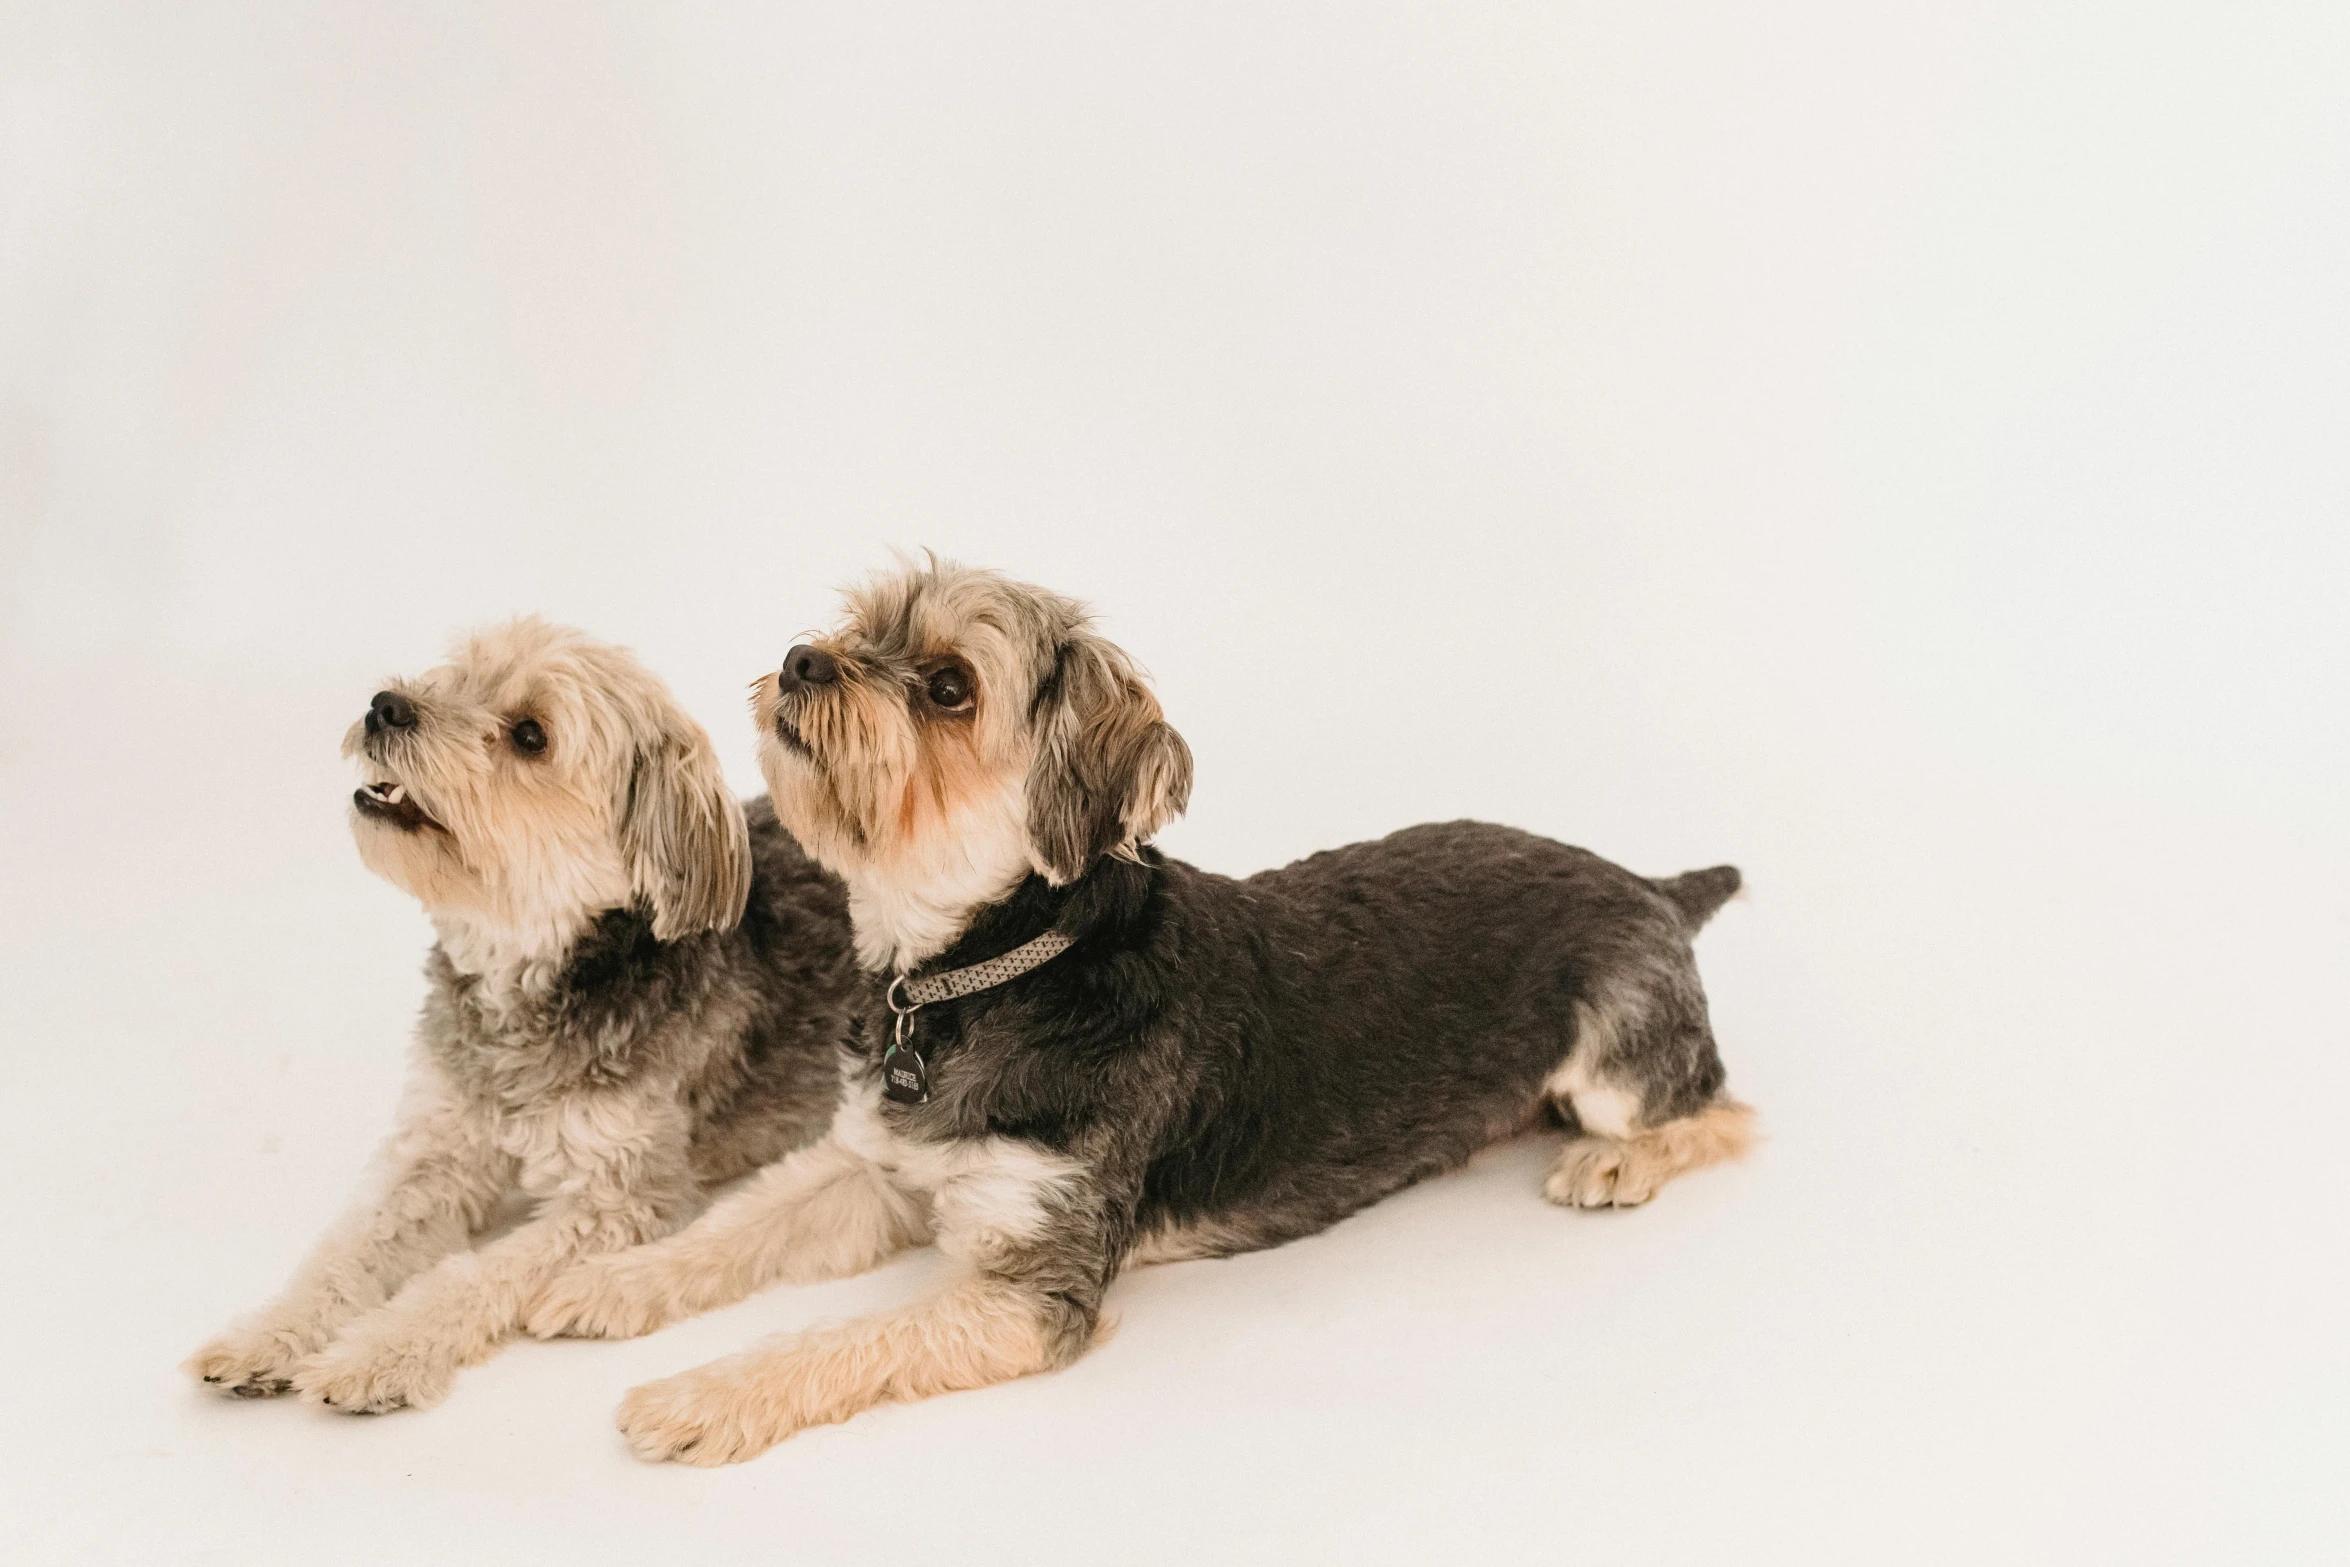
608	1029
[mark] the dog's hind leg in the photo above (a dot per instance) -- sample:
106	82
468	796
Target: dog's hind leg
1599	1171
1643	1087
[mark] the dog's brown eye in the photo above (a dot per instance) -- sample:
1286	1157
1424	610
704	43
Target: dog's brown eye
949	687
528	737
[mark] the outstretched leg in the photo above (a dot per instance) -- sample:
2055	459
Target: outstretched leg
627	1180
1599	1171
820	1213
1643	1086
432	1186
1033	1228
985	1330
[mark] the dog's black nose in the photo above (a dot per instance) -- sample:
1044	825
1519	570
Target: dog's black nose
807	666
391	710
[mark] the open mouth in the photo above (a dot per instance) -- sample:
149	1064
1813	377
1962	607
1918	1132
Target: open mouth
788	732
389	802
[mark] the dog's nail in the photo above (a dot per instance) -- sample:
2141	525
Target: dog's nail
248	1390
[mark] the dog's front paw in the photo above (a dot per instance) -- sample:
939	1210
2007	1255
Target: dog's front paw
249	1362
1602	1172
709	1416
618	1295
370	1376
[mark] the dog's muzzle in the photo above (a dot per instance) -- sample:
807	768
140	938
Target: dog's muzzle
390	803
806	670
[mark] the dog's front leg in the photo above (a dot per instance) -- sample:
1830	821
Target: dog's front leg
433	1184
985	1330
624	1179
1031	1228
823	1212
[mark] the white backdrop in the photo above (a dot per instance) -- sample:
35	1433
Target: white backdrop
1898	449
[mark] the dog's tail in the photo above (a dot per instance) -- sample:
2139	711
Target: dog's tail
1698	893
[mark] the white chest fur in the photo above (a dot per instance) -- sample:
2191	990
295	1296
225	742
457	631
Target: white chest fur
914	908
987	1195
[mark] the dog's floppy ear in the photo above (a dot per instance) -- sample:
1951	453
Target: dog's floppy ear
1109	770
682	830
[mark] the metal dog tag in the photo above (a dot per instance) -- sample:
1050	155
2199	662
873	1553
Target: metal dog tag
905	1076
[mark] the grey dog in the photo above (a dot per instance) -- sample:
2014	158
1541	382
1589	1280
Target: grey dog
639	990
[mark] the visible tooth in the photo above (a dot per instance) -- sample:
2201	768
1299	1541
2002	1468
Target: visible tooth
395	794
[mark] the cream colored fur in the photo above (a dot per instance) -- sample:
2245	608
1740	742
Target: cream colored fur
821	1213
1603	1109
1184	1242
977	1333
837	1208
914	911
433	1182
521	852
926	823
1623	1172
985	1194
586	1160
1615	1162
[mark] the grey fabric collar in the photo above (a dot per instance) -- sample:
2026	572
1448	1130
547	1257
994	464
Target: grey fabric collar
905	995
905	1076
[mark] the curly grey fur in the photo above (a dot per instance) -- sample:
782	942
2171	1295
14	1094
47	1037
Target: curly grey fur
743	1022
614	1091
